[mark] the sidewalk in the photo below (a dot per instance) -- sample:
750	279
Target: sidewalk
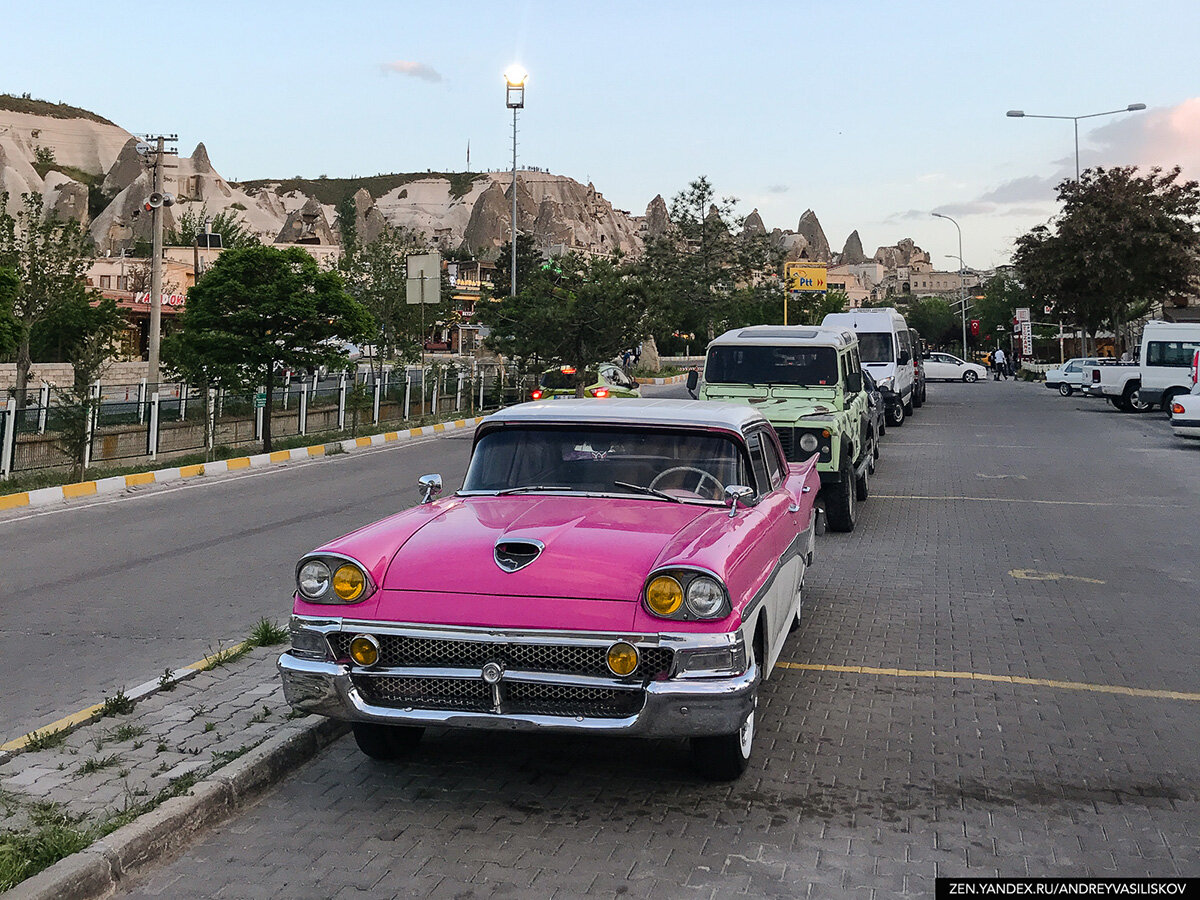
132	785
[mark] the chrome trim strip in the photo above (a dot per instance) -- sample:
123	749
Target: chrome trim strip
510	675
792	551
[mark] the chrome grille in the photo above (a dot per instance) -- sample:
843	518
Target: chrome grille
787	437
399	651
516	697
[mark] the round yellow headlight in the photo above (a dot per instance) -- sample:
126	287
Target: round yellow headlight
348	583
664	595
364	650
622	658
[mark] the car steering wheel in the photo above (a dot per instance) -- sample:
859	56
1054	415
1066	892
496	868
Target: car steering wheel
704	476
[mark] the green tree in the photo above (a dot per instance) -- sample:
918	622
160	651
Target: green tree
50	258
72	327
529	264
233	229
260	310
934	319
995	308
346	222
9	328
579	313
1121	240
705	273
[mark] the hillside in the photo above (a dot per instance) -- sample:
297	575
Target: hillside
26	104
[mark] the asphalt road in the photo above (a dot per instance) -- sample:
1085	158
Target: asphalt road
996	675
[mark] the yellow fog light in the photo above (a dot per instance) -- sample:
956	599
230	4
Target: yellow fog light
664	595
364	650
622	658
348	583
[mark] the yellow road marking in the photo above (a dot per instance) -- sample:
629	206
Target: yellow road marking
281	456
439	427
414	432
240	462
83	489
362	442
316	450
139	478
12	501
1032	575
1005	679
191	471
1012	500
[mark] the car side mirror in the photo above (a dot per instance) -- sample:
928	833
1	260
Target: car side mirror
693	380
905	359
854	382
430	486
734	493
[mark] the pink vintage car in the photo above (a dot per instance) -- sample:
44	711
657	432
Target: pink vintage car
616	568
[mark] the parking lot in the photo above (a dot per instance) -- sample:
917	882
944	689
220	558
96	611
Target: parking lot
995	676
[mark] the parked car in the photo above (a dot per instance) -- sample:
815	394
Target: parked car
808	382
1068	378
1185	413
1161	373
919	376
876	414
607	380
885	344
945	367
607	568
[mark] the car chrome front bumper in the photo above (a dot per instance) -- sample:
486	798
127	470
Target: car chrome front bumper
686	705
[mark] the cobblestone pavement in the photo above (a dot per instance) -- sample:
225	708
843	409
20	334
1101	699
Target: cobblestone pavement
1011	533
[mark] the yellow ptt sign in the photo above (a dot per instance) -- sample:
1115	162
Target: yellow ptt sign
804	276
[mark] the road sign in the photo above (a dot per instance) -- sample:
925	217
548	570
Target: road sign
260	400
1023	314
424	278
804	276
1026	336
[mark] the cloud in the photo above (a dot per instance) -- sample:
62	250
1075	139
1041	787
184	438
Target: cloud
777	188
413	70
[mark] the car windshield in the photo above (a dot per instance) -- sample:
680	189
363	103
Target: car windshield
772	365
557	379
875	346
681	464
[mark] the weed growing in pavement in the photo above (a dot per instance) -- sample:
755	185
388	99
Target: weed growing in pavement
222	757
162	767
161	748
201	709
166	681
210	726
95	764
138	745
297	714
26	852
122	773
98	742
45	740
267	634
126	732
260	717
117	705
221	657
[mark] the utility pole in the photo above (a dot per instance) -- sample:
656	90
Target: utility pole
156	239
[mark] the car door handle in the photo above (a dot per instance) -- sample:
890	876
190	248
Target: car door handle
806	489
794	508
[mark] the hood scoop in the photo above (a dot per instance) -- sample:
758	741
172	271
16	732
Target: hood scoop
513	555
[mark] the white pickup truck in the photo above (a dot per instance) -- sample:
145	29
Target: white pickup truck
1162	372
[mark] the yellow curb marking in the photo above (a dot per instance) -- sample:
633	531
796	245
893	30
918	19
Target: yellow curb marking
139	478
240	462
414	432
362	442
439	427
318	450
1005	679
83	489
391	436
1011	500
85	714
191	471
12	501
460	423
1032	575
281	456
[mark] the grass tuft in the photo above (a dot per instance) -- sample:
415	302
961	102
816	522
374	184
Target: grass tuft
96	763
117	705
267	634
45	740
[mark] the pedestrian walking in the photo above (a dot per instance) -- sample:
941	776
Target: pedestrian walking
999	361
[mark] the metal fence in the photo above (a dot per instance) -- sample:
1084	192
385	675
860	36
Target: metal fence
125	426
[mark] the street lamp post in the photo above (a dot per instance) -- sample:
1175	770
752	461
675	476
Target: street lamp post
514	97
1021	114
962	284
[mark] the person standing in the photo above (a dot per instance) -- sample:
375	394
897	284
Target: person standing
999	361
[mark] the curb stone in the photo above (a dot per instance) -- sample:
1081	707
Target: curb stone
674	379
97	870
121	483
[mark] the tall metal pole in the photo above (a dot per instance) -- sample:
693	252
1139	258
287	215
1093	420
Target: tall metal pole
513	290
962	283
156	229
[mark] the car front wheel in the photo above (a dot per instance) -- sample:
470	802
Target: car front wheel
1065	389
895	415
386	742
841	505
724	757
970	376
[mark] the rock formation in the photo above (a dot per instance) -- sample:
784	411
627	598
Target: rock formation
307	225
852	251
810	229
903	253
369	222
753	225
657	221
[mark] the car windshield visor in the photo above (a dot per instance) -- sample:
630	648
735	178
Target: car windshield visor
808	366
689	465
876	346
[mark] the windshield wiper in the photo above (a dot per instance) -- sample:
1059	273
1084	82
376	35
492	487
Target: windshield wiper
643	489
534	487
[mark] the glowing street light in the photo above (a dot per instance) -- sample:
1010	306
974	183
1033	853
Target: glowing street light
514	99
1021	114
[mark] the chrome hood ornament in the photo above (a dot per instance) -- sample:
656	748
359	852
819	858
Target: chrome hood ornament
512	555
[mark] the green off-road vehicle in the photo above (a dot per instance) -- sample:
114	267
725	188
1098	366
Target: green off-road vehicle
808	383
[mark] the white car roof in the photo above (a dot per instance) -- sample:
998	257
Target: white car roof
775	335
679	413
